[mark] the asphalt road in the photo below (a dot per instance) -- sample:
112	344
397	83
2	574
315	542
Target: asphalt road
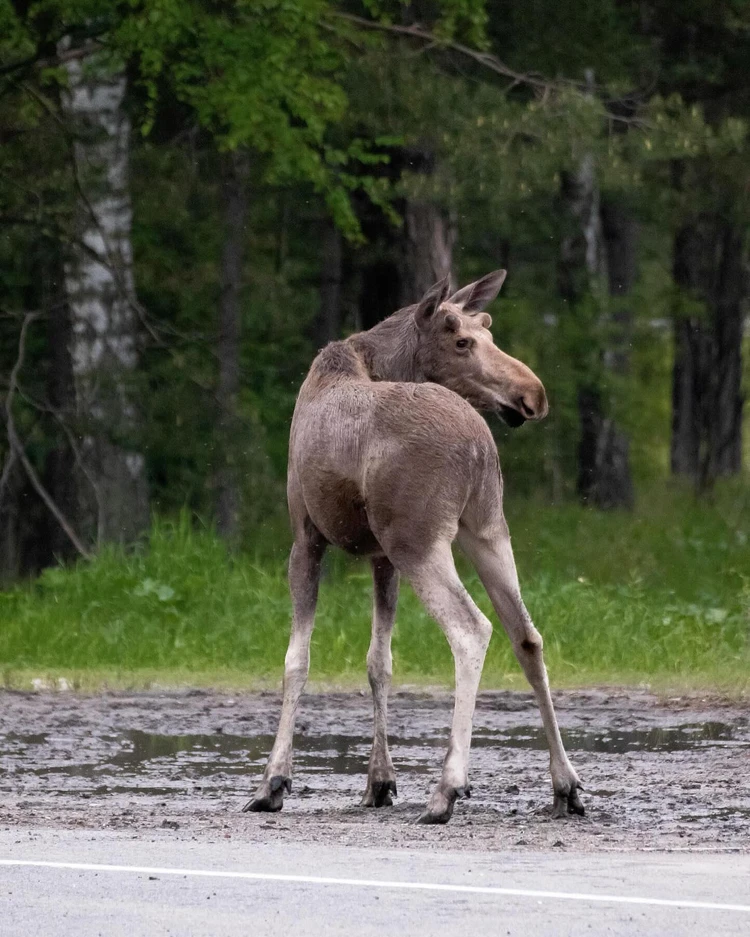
62	882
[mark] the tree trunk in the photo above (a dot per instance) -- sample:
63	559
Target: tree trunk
59	474
598	258
689	351
613	483
235	208
406	265
328	323
581	272
403	264
10	510
101	297
427	251
707	398
725	422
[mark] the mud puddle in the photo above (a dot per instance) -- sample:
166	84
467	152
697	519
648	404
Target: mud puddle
658	774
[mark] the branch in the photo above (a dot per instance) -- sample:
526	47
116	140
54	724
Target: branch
12	384
61	58
486	59
489	61
17	450
75	449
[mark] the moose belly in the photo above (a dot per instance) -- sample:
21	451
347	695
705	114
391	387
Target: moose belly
337	509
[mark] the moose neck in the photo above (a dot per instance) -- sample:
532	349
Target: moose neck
389	350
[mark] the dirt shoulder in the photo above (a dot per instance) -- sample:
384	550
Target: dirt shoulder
660	774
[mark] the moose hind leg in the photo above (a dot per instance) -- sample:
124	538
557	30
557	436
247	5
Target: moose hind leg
381	778
493	557
304	577
468	632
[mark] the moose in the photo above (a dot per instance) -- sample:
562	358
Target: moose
389	459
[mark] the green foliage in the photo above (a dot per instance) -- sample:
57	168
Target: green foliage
263	75
323	105
268	76
668	601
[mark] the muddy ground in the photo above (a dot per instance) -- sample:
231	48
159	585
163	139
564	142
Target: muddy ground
662	774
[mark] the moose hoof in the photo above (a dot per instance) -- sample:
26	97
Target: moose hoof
440	808
568	803
430	818
270	796
378	794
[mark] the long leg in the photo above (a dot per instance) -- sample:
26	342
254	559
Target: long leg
304	577
381	778
468	631
492	554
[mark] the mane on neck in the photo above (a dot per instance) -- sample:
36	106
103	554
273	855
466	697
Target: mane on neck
388	350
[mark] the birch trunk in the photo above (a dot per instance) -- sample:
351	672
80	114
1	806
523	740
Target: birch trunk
101	296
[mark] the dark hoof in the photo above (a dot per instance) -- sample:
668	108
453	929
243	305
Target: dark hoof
435	819
440	808
270	796
378	794
567	803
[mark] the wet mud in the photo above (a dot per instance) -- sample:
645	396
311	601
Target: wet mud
661	774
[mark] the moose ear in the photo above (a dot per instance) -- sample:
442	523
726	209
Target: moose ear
431	301
477	295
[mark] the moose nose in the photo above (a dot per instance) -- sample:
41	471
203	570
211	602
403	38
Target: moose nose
533	405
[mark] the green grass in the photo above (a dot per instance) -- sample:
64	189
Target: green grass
661	596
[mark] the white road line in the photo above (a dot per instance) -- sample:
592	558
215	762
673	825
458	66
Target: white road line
376	883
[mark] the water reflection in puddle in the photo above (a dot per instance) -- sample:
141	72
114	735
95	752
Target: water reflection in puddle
617	741
139	759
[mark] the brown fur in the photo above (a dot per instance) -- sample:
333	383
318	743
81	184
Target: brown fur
389	458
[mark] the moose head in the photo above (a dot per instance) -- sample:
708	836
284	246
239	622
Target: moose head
456	349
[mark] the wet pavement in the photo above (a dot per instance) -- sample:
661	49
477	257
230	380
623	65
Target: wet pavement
659	774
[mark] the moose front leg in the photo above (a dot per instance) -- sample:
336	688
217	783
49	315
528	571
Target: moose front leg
381	778
304	577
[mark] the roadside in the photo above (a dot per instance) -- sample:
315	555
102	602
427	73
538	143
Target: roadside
660	774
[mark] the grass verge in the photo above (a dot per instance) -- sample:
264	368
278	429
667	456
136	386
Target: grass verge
661	596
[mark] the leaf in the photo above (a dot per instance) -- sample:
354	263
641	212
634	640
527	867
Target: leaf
147	587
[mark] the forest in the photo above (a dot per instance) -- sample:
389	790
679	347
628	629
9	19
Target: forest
198	195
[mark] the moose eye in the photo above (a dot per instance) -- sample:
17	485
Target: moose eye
462	343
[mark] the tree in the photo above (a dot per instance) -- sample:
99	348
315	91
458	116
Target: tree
701	64
328	322
103	307
265	78
614	485
234	185
709	267
428	236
